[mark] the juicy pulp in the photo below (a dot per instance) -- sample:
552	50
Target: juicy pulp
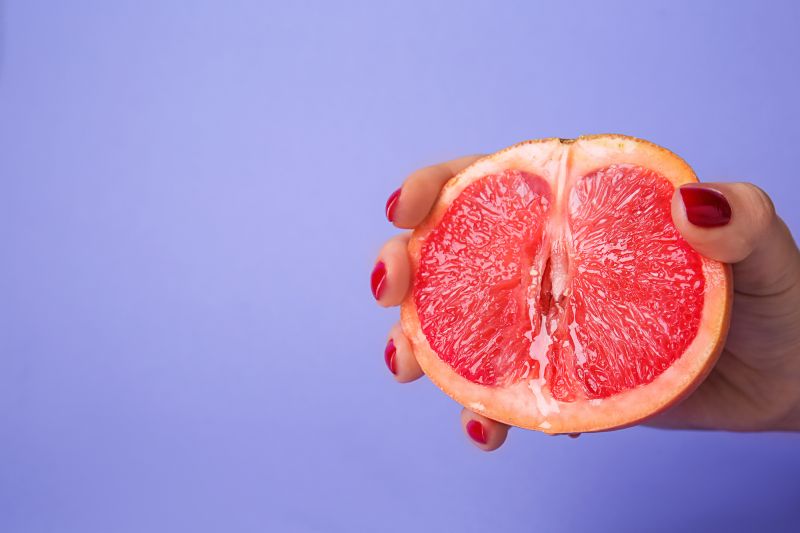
593	298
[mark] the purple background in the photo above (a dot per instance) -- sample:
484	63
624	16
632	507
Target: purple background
192	198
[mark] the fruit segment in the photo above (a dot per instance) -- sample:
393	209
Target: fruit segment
473	276
636	292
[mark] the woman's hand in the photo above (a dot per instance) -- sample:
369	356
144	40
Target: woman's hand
755	385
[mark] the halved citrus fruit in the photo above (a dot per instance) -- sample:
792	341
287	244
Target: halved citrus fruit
552	291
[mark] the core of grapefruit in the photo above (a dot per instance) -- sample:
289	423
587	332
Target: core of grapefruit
552	291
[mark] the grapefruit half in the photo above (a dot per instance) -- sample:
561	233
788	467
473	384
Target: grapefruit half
552	291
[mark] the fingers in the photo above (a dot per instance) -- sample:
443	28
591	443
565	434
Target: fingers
391	274
485	433
736	223
410	204
400	358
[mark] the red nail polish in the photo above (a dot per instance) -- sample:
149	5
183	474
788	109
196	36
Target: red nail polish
706	208
388	355
574	435
476	432
377	279
391	204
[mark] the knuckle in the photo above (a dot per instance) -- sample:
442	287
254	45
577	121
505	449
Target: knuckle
761	212
428	172
762	203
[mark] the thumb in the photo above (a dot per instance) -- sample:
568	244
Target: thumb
736	223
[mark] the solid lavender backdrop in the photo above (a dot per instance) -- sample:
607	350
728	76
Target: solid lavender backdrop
192	198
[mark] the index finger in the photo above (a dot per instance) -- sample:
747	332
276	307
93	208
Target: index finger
410	204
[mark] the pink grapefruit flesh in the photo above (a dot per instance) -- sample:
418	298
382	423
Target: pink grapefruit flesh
552	290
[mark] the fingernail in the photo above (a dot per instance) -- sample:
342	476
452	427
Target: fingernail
476	432
377	280
388	355
574	435
706	208
391	204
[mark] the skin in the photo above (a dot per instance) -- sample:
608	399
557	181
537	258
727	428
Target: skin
755	385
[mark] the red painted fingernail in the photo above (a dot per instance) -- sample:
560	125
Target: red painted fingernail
476	432
706	208
388	355
574	435
391	204
378	279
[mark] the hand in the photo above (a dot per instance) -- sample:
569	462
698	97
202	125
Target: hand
755	385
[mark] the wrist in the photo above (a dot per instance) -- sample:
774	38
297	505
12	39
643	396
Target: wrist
791	422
